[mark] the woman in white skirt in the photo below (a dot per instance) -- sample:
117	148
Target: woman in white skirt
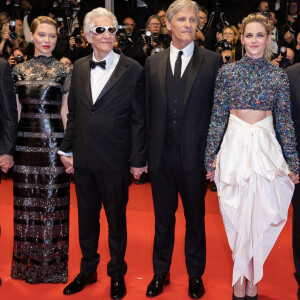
255	176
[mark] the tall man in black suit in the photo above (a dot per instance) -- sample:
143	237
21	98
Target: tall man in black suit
106	134
293	73
8	119
179	85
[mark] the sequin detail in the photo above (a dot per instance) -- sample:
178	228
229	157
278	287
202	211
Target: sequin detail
40	116
38	170
252	84
41	135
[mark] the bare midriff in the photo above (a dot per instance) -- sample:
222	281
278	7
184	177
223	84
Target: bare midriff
251	116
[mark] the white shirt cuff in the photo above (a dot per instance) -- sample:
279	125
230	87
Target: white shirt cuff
64	153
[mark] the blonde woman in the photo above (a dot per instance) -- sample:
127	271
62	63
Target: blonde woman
254	175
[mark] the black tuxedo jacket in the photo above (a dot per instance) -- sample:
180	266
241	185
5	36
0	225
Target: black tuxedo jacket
107	136
198	102
293	73
8	110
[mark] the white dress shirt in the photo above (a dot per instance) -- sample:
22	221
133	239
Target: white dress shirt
99	78
185	58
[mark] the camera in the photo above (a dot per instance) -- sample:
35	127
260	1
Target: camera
19	59
223	45
284	61
156	39
12	28
123	39
148	41
77	36
267	14
59	22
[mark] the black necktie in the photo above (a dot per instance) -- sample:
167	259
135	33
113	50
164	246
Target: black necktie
93	64
177	69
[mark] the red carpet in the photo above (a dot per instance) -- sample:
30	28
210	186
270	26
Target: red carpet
278	281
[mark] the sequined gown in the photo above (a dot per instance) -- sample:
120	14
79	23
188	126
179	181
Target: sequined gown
41	186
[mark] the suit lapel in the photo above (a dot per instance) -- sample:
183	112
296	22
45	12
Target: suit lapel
86	74
117	74
162	67
196	62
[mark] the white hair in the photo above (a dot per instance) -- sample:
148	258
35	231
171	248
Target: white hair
179	5
88	24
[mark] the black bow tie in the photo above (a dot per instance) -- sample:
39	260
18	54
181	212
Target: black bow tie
93	64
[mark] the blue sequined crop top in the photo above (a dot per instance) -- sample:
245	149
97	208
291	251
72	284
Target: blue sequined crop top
252	84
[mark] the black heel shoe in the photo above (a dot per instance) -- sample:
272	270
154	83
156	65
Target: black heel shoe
251	297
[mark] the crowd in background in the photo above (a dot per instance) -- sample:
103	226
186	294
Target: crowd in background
144	31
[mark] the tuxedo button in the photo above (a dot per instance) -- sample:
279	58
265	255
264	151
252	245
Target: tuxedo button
174	122
92	112
175	100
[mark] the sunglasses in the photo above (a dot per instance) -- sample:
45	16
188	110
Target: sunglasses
101	29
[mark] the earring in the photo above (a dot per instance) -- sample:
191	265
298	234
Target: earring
32	41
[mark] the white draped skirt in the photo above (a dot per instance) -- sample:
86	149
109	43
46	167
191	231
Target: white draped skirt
254	193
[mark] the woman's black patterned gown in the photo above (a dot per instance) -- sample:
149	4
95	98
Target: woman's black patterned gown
41	186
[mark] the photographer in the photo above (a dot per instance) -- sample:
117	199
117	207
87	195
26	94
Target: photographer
230	34
18	56
297	49
285	58
4	18
29	10
204	34
130	42
8	43
154	40
276	33
78	45
263	6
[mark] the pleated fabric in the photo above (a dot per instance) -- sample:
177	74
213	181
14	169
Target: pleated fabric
254	193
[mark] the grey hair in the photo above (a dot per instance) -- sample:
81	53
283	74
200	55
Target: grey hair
97	12
179	5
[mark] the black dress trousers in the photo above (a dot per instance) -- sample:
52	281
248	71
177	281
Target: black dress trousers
94	188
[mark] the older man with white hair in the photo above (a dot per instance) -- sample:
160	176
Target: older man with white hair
106	137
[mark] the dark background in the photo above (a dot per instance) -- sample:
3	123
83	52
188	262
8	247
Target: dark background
234	10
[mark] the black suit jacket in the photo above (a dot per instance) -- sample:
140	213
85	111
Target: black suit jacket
293	73
8	110
109	135
198	102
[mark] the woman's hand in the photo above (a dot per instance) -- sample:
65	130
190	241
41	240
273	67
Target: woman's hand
294	177
211	174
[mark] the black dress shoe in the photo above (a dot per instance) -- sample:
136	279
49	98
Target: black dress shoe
196	288
79	283
117	287
156	285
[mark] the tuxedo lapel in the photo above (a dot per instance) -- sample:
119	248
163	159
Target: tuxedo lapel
195	67
117	74
86	74
162	67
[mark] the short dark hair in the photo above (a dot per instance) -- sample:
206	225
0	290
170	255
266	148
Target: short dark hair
203	9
